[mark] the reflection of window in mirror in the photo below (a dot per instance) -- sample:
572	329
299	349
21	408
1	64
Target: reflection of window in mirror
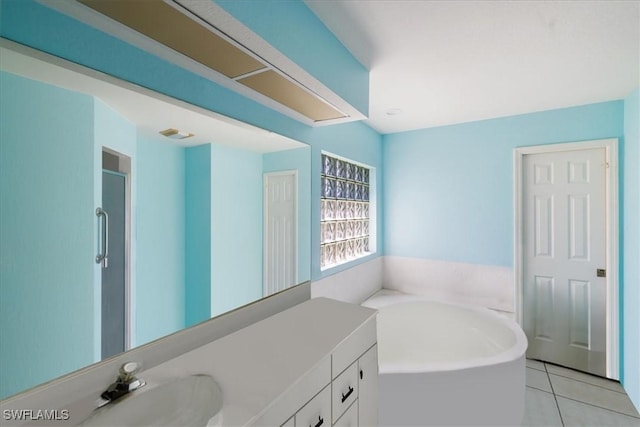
345	211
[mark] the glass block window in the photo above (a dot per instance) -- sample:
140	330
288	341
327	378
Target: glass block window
344	216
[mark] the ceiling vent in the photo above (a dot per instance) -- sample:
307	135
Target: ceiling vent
176	134
174	26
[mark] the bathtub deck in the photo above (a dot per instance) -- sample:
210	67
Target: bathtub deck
557	396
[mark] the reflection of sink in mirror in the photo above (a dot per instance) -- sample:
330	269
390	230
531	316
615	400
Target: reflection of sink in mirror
195	400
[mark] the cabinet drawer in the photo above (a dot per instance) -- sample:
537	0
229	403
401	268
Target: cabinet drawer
291	422
350	418
317	412
352	347
344	391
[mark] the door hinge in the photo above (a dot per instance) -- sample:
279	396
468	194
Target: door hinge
601	272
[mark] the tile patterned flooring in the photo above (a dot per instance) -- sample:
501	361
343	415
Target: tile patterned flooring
558	396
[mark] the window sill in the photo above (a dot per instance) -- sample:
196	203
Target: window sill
346	261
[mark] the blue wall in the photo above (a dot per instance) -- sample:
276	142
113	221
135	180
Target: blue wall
297	159
46	177
160	238
313	47
198	234
631	246
454	184
236	227
30	23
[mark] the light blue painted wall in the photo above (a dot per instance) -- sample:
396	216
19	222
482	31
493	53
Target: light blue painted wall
198	234
236	227
113	131
454	184
631	246
30	23
460	206
160	264
300	35
297	159
46	177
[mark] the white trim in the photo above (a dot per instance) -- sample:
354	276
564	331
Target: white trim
265	267
612	206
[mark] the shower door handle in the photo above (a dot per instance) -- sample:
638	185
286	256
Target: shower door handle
101	258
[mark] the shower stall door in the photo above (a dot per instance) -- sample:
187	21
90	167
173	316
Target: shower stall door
114	267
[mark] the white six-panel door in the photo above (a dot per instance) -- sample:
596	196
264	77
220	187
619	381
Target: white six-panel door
564	239
280	234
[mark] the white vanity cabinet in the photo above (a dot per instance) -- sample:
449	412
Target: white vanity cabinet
350	399
355	379
355	392
348	395
314	364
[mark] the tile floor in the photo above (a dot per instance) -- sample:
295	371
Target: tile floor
558	396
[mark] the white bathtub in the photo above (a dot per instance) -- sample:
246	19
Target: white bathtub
446	364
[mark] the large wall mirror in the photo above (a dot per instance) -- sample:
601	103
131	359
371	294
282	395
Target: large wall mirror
113	234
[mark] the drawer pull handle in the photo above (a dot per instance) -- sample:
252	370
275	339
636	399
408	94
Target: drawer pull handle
361	374
319	423
346	396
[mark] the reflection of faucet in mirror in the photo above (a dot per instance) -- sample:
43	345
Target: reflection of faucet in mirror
125	383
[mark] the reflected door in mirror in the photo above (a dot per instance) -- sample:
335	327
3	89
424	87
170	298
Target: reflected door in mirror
114	269
280	231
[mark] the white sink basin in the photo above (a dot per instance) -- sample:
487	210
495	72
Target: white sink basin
195	400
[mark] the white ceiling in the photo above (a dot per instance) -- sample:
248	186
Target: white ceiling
446	62
151	112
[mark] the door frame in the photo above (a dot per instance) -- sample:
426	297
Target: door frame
612	236
265	243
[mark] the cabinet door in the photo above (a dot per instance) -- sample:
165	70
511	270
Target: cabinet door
368	388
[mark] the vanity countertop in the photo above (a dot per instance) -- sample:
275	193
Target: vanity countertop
260	367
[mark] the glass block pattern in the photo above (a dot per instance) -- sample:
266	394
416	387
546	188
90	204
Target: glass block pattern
344	216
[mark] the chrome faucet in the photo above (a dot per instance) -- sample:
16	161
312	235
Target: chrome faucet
124	384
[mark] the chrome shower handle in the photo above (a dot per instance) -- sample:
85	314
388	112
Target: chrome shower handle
104	253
